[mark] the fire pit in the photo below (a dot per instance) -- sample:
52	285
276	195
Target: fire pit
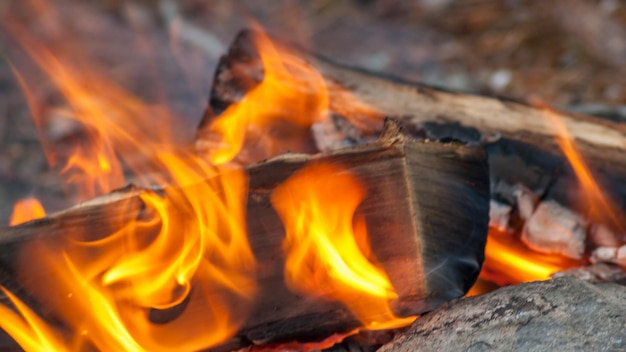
317	205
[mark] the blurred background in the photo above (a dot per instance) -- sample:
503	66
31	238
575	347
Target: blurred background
570	53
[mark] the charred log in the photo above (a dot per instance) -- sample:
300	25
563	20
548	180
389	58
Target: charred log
426	211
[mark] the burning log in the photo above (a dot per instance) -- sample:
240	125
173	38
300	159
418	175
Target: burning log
529	145
425	209
361	96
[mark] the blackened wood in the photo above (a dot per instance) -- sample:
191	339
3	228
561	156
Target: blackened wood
426	211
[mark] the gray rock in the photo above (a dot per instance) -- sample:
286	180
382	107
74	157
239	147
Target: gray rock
564	314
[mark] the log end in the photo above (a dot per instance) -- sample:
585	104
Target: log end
450	184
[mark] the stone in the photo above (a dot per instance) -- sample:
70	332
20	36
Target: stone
599	272
564	314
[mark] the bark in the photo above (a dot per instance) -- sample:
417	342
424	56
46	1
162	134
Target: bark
426	211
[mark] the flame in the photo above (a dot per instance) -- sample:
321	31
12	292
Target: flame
189	253
508	261
25	210
601	208
182	276
105	288
27	328
291	94
326	244
91	165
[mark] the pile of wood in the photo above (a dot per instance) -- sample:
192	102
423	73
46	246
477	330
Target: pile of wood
432	178
426	211
534	188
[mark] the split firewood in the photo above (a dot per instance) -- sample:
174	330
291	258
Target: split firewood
425	209
521	139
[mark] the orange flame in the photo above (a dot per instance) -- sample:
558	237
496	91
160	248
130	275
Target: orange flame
187	256
508	261
182	256
92	165
28	330
182	275
26	210
601	208
292	93
326	244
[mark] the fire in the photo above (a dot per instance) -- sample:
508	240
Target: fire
601	208
326	245
508	261
198	266
92	165
25	210
28	330
292	94
182	276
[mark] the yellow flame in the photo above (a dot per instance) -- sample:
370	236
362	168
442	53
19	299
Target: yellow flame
25	210
187	255
28	329
292	95
200	263
186	259
601	208
508	261
326	244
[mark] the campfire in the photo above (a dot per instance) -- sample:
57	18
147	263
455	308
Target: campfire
316	202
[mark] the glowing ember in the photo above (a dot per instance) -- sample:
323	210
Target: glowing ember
25	210
327	247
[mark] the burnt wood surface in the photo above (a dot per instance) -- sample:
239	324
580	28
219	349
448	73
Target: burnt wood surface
519	136
426	210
